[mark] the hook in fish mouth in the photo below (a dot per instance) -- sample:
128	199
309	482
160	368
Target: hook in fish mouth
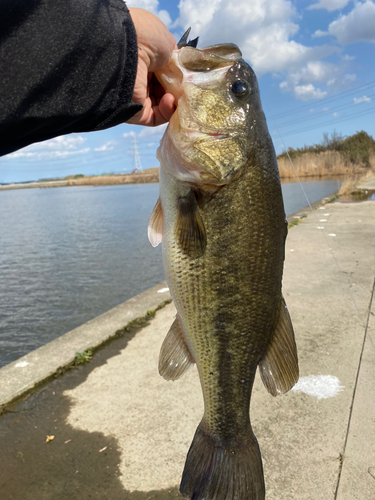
184	40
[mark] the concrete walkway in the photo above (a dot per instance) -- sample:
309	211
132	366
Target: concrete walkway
368	184
122	432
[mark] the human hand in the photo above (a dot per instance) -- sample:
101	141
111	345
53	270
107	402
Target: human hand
155	47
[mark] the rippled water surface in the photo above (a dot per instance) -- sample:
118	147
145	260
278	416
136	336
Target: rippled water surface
70	254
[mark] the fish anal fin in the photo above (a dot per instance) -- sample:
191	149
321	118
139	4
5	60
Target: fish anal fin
175	358
279	365
190	230
155	225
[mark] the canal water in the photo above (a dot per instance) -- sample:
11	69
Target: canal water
68	255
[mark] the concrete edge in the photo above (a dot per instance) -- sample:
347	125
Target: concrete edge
367	185
303	212
29	371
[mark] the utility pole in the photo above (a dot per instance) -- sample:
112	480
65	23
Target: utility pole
136	157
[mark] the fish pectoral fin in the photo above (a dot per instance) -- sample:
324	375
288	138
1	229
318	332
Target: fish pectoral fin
190	230
155	225
175	358
279	365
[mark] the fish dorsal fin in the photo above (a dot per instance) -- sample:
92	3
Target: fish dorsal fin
190	230
279	365
175	358
155	225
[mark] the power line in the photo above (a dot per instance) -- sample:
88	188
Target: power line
324	124
320	114
325	100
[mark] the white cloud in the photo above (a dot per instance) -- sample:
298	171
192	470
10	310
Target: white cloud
314	71
63	141
319	33
301	80
59	147
47	155
350	77
153	7
329	5
108	146
129	134
356	26
335	114
261	28
358	100
145	132
307	92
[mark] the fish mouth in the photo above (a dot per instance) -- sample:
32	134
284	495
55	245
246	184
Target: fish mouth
189	64
191	133
208	58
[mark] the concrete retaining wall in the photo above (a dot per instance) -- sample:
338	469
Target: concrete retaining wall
35	367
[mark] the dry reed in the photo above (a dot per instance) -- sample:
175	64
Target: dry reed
328	163
148	176
350	185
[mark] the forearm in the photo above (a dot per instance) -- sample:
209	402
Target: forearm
65	66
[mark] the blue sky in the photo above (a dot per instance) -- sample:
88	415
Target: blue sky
315	64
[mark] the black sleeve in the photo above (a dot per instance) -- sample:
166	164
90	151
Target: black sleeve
65	66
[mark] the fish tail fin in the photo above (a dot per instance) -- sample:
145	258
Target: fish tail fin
217	469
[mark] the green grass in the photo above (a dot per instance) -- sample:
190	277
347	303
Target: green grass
83	357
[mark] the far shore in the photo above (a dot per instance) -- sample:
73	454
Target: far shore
306	168
150	175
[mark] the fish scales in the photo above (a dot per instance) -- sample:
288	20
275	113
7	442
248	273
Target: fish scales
231	291
222	225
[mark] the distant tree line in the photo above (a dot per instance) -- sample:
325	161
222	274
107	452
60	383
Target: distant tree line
356	148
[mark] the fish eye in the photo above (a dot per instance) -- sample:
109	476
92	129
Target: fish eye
239	88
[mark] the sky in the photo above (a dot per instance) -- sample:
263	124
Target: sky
314	60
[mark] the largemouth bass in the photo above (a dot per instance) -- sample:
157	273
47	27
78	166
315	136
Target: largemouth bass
220	218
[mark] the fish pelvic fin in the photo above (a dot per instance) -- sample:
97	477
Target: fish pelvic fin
175	358
279	365
190	230
217	469
155	225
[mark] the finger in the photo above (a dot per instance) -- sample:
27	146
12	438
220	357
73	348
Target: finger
163	112
152	116
167	106
155	87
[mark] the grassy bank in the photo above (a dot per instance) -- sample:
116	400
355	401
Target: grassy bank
327	163
335	156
